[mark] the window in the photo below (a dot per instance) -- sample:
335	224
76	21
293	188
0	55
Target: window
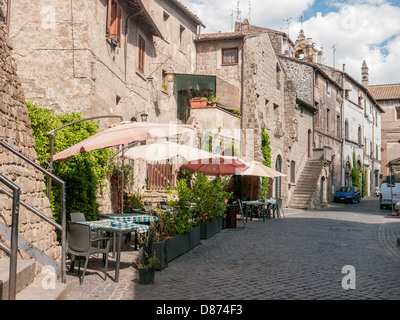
166	26
181	38
397	113
114	22
346	130
142	54
328	118
359	136
278	77
230	56
292	172
328	87
338	126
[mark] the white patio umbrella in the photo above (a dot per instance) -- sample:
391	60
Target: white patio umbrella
165	150
257	169
121	134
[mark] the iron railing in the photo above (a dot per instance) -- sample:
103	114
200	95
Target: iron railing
15	217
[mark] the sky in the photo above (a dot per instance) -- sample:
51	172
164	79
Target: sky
348	31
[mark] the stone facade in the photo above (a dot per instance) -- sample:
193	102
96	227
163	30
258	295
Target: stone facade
16	131
388	97
69	64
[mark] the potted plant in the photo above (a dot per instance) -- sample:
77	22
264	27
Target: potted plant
213	101
210	197
164	87
147	260
198	102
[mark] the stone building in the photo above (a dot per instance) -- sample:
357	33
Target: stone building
388	97
323	96
362	127
247	59
103	57
15	130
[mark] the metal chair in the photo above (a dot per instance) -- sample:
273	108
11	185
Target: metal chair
79	243
242	217
77	217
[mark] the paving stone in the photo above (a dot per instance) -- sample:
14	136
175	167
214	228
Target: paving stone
299	257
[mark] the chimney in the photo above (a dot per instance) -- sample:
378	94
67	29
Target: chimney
364	75
344	67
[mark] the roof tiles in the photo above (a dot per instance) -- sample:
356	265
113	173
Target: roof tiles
385	92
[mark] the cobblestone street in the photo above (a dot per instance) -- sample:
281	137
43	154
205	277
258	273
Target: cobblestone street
300	256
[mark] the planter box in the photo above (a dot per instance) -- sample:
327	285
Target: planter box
146	276
194	237
198	103
219	224
160	249
177	246
208	229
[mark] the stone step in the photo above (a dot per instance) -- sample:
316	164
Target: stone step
29	286
39	290
25	275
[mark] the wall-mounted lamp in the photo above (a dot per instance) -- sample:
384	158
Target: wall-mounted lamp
144	117
170	74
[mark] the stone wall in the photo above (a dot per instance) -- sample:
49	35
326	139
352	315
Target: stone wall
15	130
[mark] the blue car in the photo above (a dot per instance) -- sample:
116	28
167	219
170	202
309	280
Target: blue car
348	194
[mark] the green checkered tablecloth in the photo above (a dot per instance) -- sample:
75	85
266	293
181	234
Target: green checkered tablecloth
117	225
128	217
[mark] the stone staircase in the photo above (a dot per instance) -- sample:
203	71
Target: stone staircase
306	184
29	286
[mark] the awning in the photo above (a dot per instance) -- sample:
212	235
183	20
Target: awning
194	82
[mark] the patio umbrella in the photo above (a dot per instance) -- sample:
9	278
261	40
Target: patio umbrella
160	151
123	133
257	169
120	134
216	165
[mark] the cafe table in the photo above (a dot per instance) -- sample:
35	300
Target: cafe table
257	204
118	228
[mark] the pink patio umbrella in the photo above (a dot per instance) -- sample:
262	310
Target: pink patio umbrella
123	133
216	165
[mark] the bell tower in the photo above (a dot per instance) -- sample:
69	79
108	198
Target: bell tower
364	75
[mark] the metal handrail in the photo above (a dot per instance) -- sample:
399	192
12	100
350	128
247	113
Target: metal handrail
12	283
61	227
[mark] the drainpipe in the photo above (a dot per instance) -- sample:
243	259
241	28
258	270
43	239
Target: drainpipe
342	124
242	93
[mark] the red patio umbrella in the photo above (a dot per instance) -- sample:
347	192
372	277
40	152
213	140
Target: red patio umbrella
216	165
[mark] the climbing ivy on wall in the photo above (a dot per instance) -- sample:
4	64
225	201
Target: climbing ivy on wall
266	152
364	182
355	173
83	174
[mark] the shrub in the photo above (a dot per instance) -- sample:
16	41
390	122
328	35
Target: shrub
83	174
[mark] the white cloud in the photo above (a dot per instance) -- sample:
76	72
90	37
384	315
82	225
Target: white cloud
360	32
361	29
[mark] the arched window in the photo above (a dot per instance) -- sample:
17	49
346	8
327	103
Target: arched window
346	129
359	135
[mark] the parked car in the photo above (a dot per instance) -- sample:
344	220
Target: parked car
348	194
390	194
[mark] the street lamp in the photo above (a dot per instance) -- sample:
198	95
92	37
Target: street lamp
170	74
